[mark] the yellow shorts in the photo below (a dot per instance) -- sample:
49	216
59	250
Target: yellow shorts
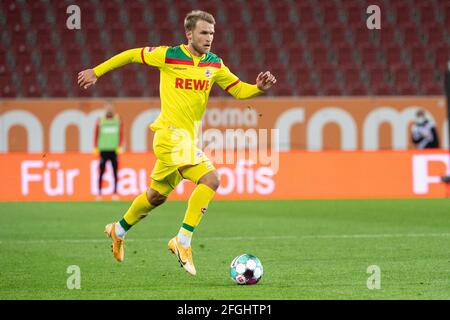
175	149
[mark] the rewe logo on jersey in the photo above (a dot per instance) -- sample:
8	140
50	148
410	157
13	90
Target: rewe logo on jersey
191	84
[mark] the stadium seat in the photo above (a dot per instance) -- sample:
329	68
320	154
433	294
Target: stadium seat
447	15
247	54
302	74
327	75
338	35
345	55
33	91
134	91
407	89
4	80
117	37
166	36
414	34
361	36
387	36
4	72
141	36
427	13
355	14
401	74
38	15
233	13
135	11
8	91
239	33
426	74
393	55
377	75
441	54
411	35
383	90
418	55
352	75
332	90
358	90
402	12
435	35
282	91
369	54
13	14
307	89
296	52
91	36
271	57
256	13
432	89
264	34
279	10
103	91
319	54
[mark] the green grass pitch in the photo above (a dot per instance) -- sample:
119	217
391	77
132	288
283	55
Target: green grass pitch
309	250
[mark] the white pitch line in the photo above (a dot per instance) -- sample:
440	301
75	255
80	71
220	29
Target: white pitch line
385	235
292	237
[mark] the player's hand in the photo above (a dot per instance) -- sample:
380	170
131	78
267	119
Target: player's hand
87	78
95	151
265	80
119	150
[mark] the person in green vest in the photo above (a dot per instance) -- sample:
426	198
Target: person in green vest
108	143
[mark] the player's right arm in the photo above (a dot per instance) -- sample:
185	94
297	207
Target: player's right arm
152	56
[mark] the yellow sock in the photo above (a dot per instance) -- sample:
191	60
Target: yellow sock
197	205
137	211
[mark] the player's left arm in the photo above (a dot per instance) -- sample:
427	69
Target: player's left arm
242	90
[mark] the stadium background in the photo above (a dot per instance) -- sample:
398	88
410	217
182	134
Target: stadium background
344	103
315	48
340	86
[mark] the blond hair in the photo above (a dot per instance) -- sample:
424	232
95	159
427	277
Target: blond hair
192	17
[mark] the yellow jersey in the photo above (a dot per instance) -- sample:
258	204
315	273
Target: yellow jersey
185	83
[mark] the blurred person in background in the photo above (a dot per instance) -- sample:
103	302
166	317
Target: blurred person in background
424	135
108	140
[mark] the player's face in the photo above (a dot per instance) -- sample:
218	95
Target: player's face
202	36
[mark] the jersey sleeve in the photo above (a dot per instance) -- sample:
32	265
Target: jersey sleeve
229	82
152	56
225	78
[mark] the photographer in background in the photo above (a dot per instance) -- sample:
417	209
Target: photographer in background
424	135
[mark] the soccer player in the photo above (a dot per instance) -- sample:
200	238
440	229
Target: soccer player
187	74
108	141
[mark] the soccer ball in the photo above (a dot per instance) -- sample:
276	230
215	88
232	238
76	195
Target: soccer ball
246	269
